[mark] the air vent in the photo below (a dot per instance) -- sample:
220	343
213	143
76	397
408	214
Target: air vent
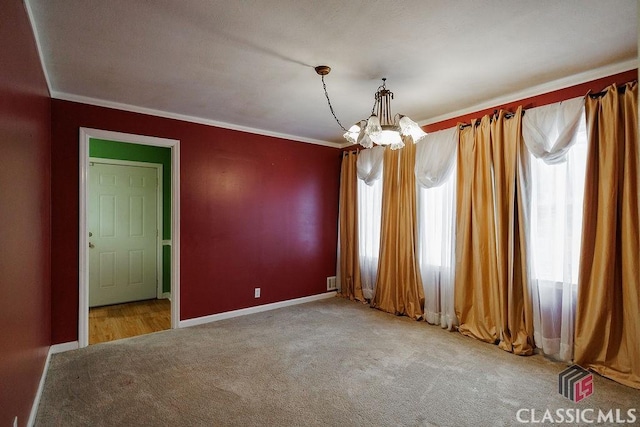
331	283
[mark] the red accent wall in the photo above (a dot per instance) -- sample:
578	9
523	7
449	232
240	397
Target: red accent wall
256	211
539	100
25	123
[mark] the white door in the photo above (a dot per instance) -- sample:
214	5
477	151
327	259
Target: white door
123	233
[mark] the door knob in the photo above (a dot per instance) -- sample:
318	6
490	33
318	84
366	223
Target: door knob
91	245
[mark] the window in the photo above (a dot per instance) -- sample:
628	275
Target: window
557	193
436	249
369	222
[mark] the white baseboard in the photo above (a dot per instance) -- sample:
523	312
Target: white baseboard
166	295
65	346
252	310
36	400
57	348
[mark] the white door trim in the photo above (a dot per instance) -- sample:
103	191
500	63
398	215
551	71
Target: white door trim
159	209
83	290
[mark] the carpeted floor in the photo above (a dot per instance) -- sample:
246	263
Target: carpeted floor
331	362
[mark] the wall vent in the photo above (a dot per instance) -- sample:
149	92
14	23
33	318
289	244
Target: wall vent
331	283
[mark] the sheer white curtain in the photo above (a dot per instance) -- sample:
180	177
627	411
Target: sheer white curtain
436	194
556	138
370	164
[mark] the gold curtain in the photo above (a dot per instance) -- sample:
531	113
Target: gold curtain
492	298
476	290
351	286
399	286
510	161
607	337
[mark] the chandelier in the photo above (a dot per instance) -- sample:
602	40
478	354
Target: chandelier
382	127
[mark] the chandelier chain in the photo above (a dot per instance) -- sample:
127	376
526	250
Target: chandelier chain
324	86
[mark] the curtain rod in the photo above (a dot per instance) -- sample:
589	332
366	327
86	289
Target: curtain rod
494	115
621	89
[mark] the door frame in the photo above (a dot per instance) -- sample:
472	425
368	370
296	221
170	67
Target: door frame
159	210
86	134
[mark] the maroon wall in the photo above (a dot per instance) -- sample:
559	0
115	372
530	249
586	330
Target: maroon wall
256	211
25	122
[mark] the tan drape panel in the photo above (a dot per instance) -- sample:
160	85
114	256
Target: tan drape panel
476	290
351	286
399	286
607	337
509	159
491	294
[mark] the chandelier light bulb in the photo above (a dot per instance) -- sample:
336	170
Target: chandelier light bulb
391	138
410	128
364	140
373	129
353	134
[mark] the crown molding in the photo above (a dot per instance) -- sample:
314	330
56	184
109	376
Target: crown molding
186	118
565	82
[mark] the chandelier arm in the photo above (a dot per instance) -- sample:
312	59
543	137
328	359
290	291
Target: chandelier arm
324	86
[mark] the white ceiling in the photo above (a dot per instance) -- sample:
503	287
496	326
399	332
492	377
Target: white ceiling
248	64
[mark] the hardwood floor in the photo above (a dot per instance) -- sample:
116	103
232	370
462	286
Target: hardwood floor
114	322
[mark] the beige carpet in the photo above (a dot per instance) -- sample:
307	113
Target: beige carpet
332	362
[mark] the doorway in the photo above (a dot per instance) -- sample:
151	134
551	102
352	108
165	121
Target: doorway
124	221
129	235
125	254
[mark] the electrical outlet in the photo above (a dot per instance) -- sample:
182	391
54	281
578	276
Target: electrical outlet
256	293
331	283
